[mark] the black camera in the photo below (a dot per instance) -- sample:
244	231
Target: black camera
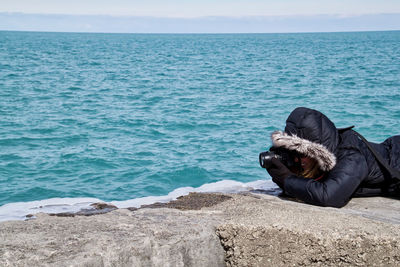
287	157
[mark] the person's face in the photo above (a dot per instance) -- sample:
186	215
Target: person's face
306	162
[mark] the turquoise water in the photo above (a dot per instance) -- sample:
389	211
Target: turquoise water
124	116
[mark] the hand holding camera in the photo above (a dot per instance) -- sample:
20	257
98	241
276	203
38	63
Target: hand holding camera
279	172
278	162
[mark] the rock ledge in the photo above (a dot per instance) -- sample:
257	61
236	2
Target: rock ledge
251	229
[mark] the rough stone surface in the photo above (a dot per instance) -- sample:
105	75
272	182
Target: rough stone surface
193	201
250	229
147	237
285	233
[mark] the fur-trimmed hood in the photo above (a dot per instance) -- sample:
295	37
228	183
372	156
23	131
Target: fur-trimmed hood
326	160
310	133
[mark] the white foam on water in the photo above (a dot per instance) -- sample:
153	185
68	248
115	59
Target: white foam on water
19	210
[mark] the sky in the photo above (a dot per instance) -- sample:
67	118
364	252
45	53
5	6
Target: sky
201	8
164	15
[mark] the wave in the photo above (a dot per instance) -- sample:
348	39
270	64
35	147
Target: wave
20	210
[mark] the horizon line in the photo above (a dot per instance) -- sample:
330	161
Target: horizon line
341	15
198	33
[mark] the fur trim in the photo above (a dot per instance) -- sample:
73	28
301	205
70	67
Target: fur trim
326	159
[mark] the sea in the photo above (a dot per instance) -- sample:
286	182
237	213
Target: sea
132	119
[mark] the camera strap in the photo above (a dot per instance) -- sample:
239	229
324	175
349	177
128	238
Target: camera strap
393	172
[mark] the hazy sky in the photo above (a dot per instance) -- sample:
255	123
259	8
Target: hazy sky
200	8
199	16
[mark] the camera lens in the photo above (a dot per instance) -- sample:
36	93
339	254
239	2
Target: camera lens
265	158
261	159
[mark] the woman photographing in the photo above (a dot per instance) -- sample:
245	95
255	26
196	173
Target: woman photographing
330	165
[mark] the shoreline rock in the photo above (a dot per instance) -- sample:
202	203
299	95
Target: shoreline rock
251	229
192	201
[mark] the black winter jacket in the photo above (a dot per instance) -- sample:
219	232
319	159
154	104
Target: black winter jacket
352	169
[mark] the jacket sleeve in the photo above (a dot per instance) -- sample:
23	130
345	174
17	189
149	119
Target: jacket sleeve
339	185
